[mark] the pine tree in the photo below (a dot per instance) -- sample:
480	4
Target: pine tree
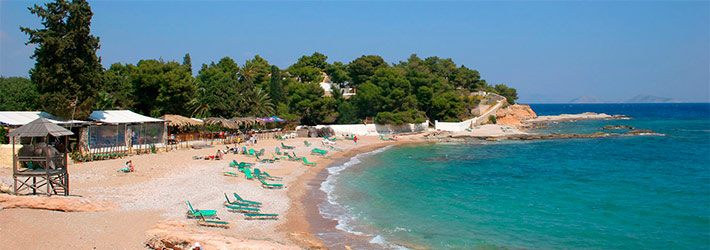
276	90
66	67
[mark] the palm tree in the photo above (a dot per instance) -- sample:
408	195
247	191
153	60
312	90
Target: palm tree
259	103
199	108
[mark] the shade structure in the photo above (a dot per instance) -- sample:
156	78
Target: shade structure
180	121
272	119
247	121
219	121
40	127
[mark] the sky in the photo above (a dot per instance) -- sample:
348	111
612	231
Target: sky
551	51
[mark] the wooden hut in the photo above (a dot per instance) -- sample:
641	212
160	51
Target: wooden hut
35	165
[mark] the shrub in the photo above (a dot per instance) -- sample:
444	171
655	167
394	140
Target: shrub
492	119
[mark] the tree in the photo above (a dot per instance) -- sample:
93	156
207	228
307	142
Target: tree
276	90
347	114
66	67
187	62
221	92
510	94
18	94
256	72
116	89
309	68
338	72
162	88
468	79
364	67
307	100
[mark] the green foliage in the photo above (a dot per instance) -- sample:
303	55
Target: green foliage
256	71
309	68
276	89
116	88
221	89
338	72
447	106
347	114
162	88
399	118
364	67
492	119
510	94
66	67
3	136
307	100
18	94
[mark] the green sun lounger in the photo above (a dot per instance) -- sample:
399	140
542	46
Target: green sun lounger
291	158
193	213
308	163
261	152
264	160
251	152
384	139
212	223
230	174
265	184
247	173
286	146
278	151
236	203
241	209
260	216
240	164
350	138
319	152
334	148
308	144
278	157
245	201
272	177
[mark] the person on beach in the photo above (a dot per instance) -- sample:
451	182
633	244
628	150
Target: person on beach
256	139
355	139
129	167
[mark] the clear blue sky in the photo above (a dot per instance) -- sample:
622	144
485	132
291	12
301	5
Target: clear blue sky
549	51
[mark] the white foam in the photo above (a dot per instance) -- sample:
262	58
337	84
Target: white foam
334	210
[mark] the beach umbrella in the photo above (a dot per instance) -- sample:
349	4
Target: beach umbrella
181	121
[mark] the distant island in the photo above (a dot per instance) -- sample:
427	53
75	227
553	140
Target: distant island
635	99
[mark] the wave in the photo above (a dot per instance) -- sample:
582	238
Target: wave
334	210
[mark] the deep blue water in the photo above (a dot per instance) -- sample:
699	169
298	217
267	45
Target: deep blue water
626	192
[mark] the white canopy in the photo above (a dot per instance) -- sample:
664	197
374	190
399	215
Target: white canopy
120	116
19	118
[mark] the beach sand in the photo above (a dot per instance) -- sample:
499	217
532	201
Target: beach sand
155	194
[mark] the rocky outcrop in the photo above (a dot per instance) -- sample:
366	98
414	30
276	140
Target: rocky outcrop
57	203
617	127
180	235
514	114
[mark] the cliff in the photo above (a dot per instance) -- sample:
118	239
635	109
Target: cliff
514	114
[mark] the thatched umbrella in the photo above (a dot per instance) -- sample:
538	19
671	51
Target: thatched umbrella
248	121
219	121
180	121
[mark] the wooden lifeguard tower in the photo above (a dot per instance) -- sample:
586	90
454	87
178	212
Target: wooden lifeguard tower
40	164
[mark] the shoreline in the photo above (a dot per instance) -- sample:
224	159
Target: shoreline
304	215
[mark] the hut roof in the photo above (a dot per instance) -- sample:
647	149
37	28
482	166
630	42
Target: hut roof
181	121
120	116
249	120
19	118
219	121
39	128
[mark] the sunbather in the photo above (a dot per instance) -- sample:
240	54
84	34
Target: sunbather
129	167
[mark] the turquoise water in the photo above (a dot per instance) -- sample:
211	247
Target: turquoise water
627	192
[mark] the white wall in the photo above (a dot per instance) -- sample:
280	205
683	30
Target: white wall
374	129
461	126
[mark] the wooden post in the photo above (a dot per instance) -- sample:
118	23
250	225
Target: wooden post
14	165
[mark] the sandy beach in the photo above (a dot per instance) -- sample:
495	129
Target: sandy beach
147	207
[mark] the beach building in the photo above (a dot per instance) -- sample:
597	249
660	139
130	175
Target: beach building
327	86
122	130
10	120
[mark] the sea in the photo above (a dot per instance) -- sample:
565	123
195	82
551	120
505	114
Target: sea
623	192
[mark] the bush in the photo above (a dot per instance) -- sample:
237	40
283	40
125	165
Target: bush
492	119
399	118
3	136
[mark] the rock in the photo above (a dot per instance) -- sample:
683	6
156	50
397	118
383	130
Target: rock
514	114
640	132
616	127
57	203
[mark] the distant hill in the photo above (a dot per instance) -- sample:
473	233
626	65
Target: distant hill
586	99
650	99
